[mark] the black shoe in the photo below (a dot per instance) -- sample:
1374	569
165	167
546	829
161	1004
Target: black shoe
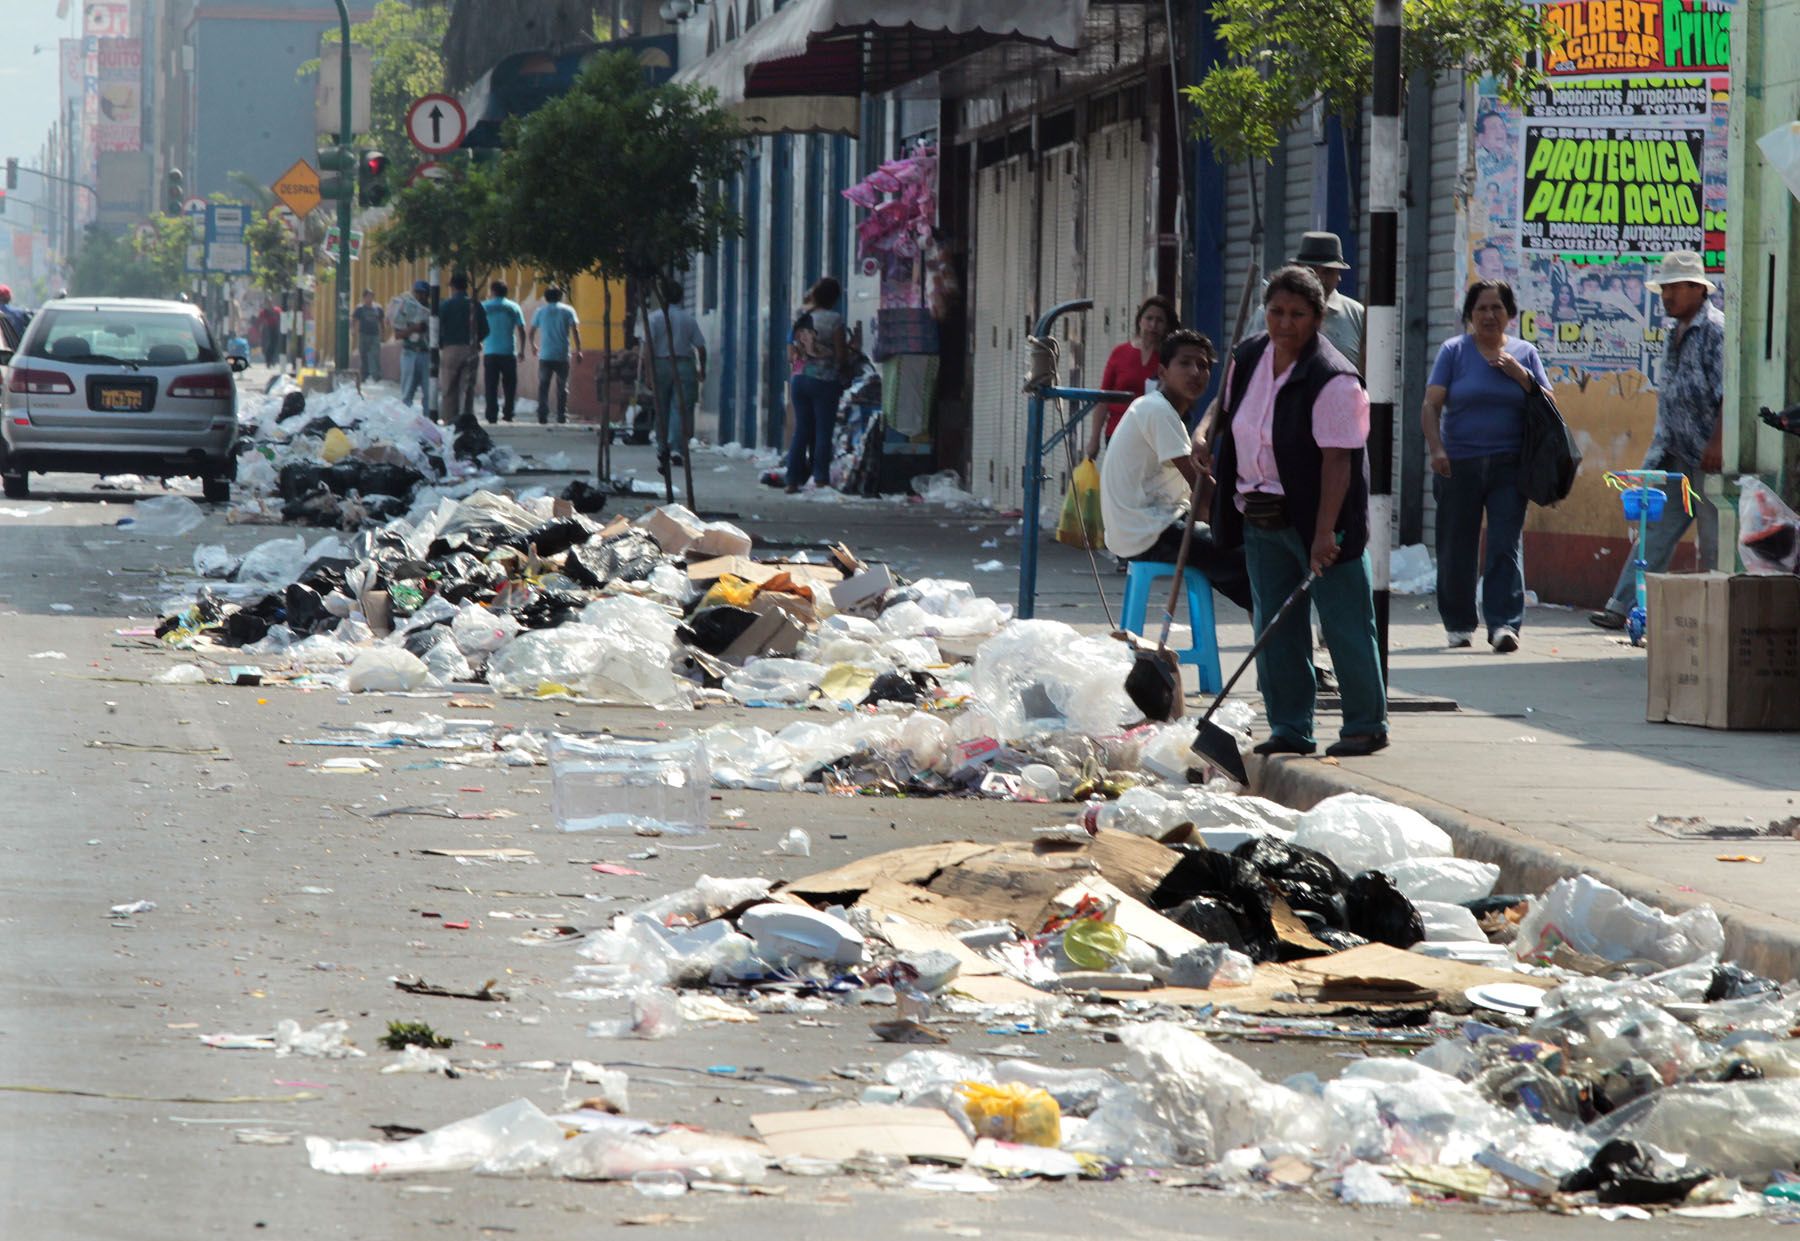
1282	745
1357	747
560	420
1607	619
543	420
676	459
492	420
509	418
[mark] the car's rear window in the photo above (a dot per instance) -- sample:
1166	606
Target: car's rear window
141	337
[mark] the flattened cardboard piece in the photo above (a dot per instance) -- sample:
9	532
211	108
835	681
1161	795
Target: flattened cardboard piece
839	1132
478	853
752	571
910	865
918	905
1135	864
868	584
1011	882
1292	932
772	633
1380	971
978	978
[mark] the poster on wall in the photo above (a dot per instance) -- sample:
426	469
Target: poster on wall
1616	159
120	80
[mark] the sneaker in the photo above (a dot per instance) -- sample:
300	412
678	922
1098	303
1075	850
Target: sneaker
1607	619
1458	639
1505	641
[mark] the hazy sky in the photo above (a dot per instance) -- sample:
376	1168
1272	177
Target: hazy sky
28	83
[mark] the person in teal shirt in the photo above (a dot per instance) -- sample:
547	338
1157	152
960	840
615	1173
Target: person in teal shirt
500	350
551	328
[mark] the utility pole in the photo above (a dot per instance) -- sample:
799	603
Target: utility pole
1382	360
342	283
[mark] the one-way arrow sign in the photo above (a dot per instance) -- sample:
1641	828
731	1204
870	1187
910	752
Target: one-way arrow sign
436	124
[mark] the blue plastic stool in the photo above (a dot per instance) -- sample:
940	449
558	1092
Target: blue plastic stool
1204	653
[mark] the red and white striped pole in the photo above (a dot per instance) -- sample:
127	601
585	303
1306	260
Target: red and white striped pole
1381	359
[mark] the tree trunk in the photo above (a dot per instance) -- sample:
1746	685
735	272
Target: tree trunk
482	33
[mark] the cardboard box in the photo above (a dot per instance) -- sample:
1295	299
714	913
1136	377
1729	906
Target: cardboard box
774	632
866	587
706	571
1724	651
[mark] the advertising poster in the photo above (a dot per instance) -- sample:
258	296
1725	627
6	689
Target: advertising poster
107	19
121	83
1618	158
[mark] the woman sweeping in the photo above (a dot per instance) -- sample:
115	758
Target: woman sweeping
1293	489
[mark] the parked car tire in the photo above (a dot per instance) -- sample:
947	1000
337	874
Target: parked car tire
216	490
17	486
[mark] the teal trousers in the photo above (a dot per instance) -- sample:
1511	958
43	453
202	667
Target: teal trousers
1277	561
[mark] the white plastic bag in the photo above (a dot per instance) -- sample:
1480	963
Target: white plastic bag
774	680
618	665
278	562
1768	530
513	1137
1040	676
166	515
387	669
1591	917
1453	880
1360	832
479	631
1209	1101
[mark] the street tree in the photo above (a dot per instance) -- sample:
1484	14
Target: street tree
404	41
1285	55
460	222
482	33
636	204
111	265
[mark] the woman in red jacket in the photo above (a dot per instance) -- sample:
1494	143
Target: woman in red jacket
1132	366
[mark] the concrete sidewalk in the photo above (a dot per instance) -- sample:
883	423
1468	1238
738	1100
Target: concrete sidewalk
1547	768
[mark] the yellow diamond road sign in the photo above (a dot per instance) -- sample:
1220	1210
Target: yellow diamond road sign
298	188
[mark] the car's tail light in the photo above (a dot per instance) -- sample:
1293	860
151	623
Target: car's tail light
41	382
204	387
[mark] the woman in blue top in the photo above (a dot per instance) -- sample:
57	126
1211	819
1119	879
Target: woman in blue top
1474	419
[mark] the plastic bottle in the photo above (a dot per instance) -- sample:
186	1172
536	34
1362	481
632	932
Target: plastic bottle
659	1184
1039	782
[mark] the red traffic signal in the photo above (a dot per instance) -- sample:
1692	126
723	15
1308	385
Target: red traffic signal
372	179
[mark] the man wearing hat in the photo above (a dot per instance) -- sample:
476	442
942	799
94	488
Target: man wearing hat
1689	392
412	328
1324	253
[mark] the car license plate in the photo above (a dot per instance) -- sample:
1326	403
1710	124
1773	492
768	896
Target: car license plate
123	400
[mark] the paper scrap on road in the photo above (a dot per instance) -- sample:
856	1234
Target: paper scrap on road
906	1132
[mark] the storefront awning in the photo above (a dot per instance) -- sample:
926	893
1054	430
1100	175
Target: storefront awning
804	68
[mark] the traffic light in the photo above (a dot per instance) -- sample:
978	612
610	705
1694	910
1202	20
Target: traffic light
12	173
2	202
372	180
336	167
174	192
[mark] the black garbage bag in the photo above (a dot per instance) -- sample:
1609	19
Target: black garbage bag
472	439
584	496
420	641
552	608
305	610
1380	912
292	406
301	481
912	687
556	536
1235	885
1336	940
714	629
244	626
207	610
1498	903
629	556
460	577
1733	982
1310	882
1210	920
1626	1172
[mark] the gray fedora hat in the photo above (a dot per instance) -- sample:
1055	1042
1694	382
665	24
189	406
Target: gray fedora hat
1321	250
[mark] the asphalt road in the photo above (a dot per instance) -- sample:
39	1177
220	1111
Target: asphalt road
279	895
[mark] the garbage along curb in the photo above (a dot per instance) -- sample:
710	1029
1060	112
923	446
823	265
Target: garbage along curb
1770	946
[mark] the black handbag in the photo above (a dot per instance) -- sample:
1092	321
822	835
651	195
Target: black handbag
1550	460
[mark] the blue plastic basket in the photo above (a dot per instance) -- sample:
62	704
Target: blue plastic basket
1644	502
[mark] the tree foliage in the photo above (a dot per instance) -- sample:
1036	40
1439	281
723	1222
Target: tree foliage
634	204
405	43
111	265
482	33
1283	55
461	223
274	255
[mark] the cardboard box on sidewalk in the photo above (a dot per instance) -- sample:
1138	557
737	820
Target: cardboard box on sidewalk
1724	650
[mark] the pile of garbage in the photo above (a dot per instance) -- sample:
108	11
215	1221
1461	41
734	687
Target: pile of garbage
1575	1050
343	460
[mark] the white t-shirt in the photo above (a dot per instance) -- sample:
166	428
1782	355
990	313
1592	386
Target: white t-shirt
1141	493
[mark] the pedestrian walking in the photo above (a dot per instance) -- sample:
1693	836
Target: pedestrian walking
1323	254
462	324
1293	491
412	328
12	317
1690	391
1133	366
677	348
1474	422
369	319
268	327
824	351
500	350
552	327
